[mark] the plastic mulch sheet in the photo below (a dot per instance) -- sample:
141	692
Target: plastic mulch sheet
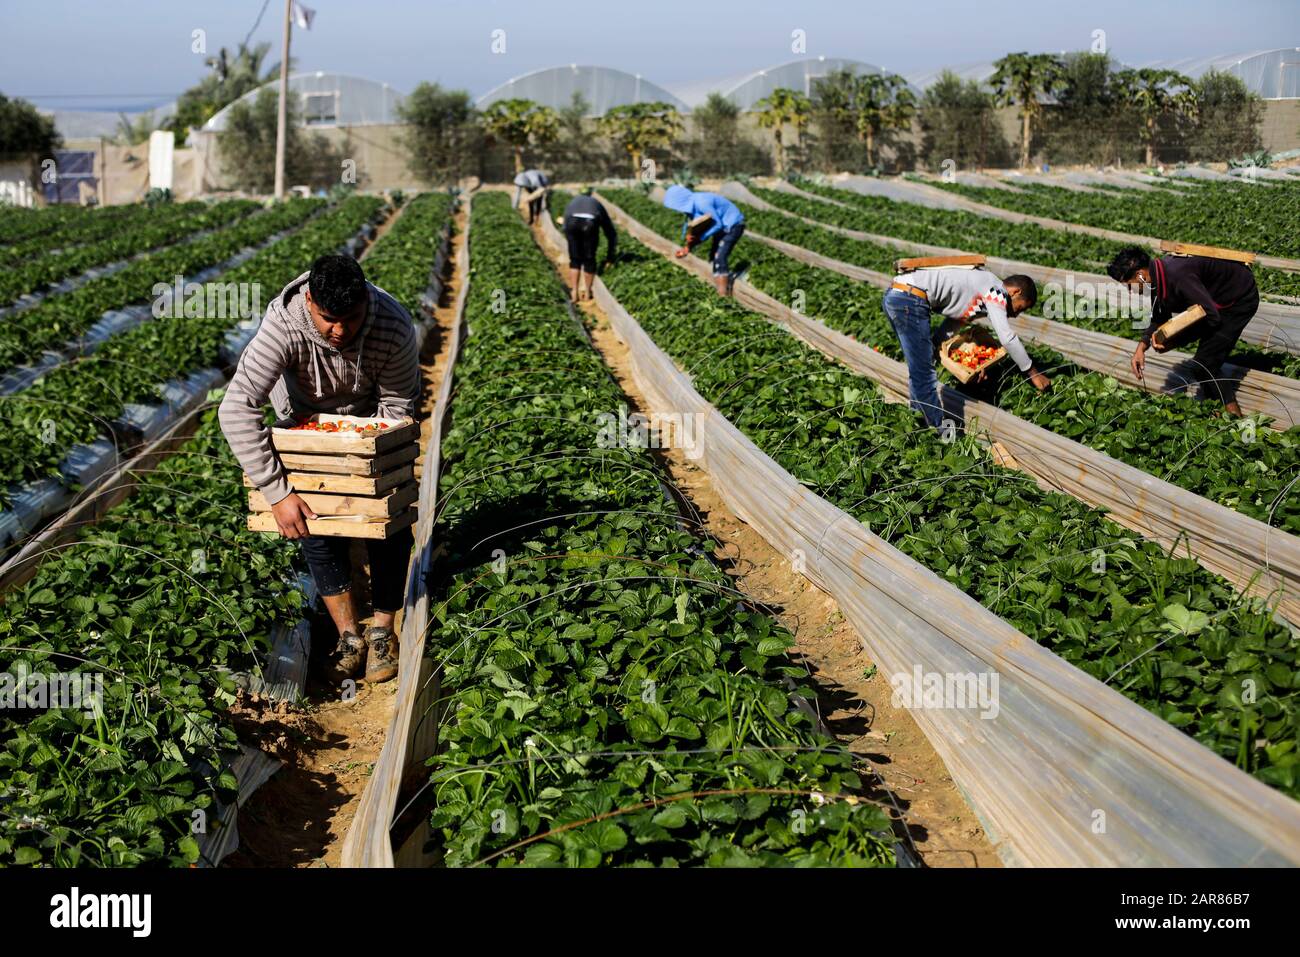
1273	395
1258	559
88	462
1068	772
411	734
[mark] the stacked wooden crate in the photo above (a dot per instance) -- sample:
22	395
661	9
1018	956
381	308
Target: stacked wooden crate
360	482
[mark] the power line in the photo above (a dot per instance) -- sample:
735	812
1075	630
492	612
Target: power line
256	23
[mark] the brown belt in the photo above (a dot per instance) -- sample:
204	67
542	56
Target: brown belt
910	290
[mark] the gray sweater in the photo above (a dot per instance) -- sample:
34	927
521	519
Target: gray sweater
289	362
965	294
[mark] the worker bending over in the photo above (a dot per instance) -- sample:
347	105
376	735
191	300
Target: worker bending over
537	185
1224	288
584	220
962	295
725	222
330	343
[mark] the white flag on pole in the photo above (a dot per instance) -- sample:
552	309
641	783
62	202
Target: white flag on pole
303	15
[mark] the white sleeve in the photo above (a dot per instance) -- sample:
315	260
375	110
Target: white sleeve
995	305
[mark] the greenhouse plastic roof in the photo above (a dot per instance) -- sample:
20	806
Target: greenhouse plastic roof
794	75
1273	74
330	99
603	88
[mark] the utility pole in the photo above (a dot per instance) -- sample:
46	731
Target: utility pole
282	121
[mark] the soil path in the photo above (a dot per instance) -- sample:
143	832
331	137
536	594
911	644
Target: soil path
853	698
301	815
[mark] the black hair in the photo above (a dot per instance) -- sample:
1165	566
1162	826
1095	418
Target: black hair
1126	262
1028	288
337	284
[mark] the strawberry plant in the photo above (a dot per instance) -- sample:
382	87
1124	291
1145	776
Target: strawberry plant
607	700
82	397
131	601
1173	437
1259	217
1028	242
28	270
60	318
1161	630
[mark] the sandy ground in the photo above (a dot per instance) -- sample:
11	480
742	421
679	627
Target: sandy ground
853	699
300	817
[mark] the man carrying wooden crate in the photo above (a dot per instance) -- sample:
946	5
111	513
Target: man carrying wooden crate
1224	289
962	294
330	343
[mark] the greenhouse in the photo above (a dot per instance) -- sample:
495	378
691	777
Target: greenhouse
329	99
602	87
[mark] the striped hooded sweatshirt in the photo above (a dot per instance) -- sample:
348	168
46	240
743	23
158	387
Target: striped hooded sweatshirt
292	364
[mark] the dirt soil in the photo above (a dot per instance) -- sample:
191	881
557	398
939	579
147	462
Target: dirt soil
330	744
853	698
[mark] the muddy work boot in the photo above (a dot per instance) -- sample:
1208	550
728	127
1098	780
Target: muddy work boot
347	657
382	664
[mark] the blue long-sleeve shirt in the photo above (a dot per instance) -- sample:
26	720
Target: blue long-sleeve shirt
725	213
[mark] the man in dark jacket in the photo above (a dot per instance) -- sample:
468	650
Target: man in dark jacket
584	220
1224	288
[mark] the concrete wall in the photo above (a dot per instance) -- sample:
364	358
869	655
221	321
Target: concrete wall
380	158
1281	127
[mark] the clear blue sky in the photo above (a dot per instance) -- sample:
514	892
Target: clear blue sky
115	47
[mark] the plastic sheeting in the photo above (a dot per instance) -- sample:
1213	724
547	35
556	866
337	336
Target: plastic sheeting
1275	326
1273	395
412	734
1259	560
912	192
87	463
1070	772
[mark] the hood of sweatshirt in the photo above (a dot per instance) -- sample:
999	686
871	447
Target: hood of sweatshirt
290	307
679	198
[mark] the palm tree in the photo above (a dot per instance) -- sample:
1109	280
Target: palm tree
1152	94
881	102
640	127
229	80
521	123
778	108
1019	79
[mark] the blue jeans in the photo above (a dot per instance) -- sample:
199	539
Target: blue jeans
910	318
723	241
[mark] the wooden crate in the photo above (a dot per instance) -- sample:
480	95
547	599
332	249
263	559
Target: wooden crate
399	432
364	465
1164	335
695	231
350	527
977	335
379	506
346	484
928	262
359	484
1213	252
